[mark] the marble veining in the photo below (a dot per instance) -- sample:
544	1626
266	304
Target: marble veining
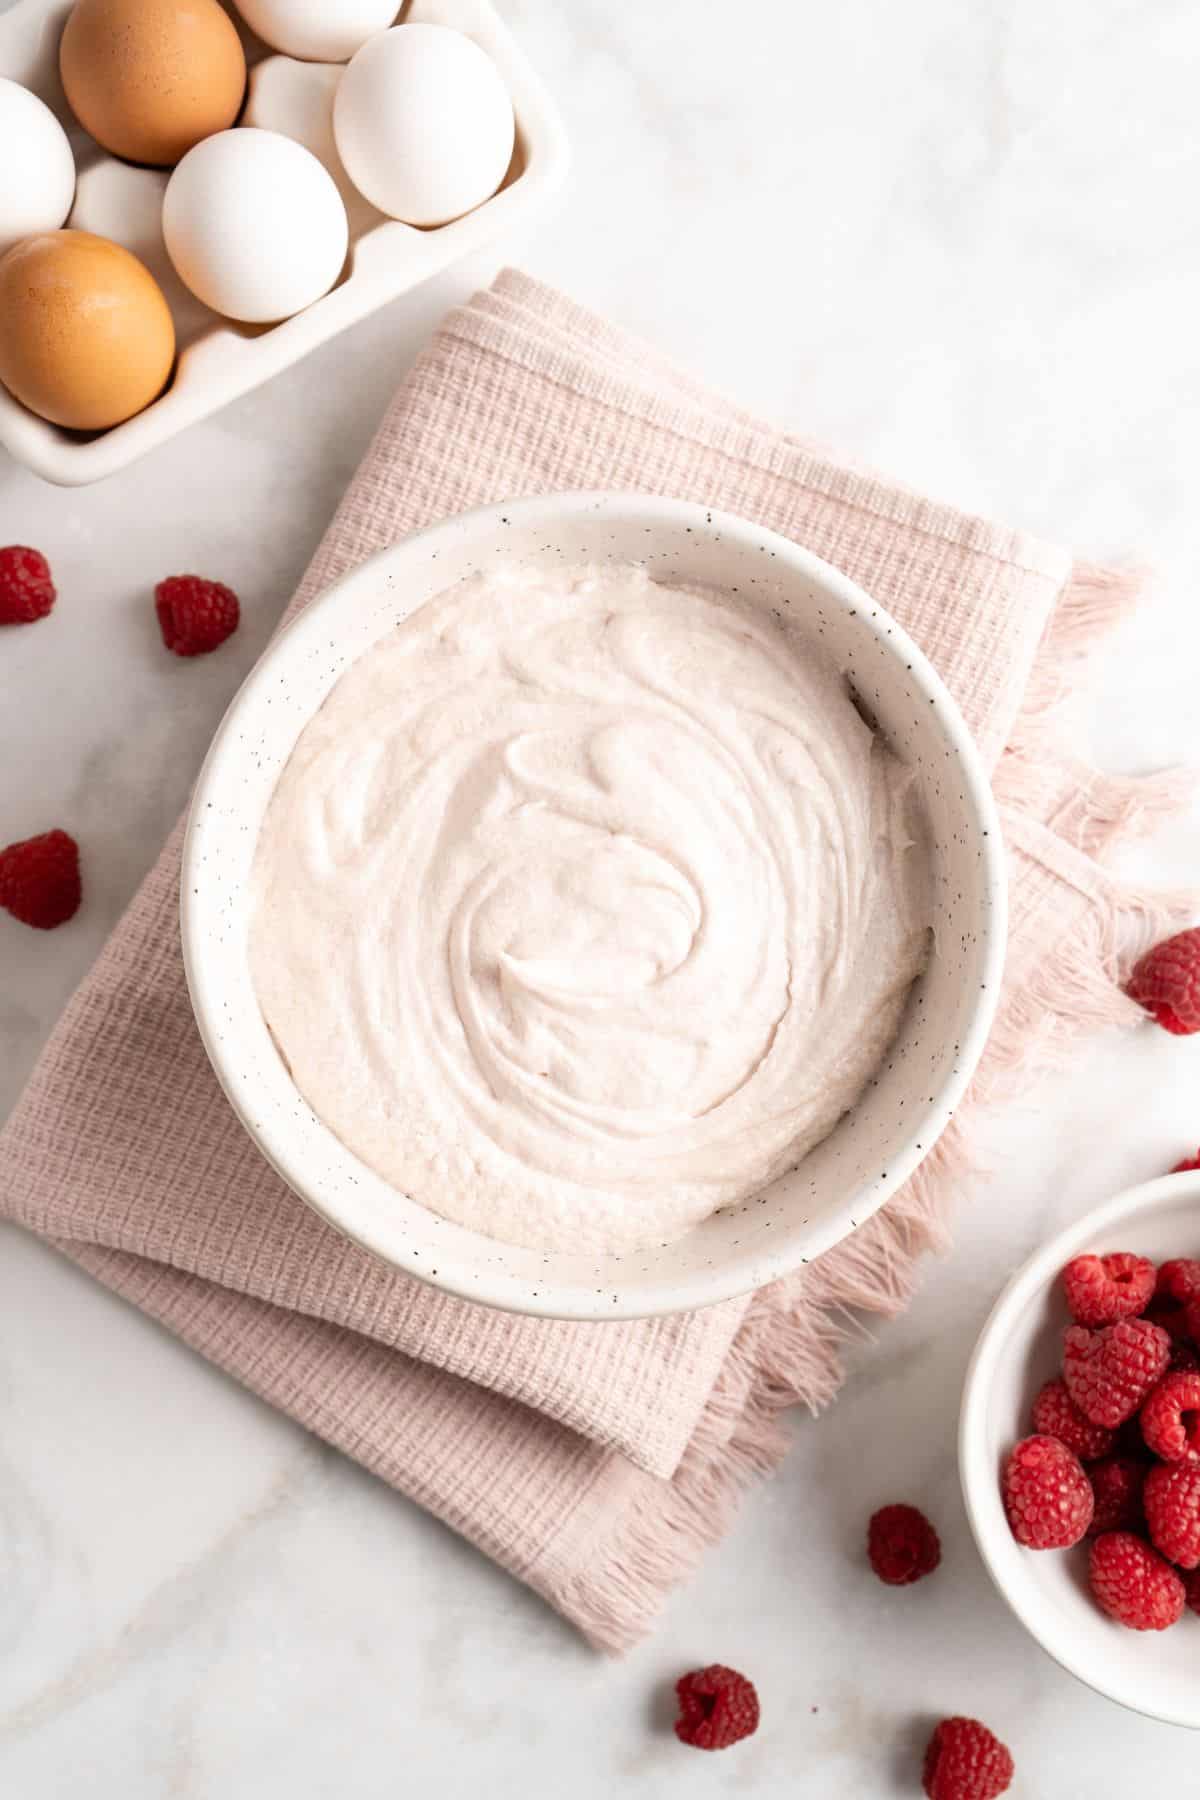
959	243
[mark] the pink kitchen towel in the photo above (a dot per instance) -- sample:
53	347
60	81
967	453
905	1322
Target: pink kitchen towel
595	1462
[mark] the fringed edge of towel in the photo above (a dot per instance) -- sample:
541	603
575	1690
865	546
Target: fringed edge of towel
790	1349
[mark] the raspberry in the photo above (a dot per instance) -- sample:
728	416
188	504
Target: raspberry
1179	1279
1056	1415
1191	1590
1167	982
1130	1442
39	880
717	1707
1117	1490
1102	1289
1172	1318
1047	1496
1133	1584
902	1545
965	1761
1171	1419
195	615
26	590
1189	1162
1172	1499
1109	1372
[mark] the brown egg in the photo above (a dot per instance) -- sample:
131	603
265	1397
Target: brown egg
150	78
86	338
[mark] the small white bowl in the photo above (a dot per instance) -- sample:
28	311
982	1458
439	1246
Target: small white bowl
1019	1348
874	1148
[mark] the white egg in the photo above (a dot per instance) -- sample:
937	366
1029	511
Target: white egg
423	123
120	201
37	170
317	30
254	225
297	99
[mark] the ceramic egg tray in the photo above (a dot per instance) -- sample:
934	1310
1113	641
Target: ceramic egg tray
218	359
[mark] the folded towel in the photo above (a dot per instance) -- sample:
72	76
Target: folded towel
593	1461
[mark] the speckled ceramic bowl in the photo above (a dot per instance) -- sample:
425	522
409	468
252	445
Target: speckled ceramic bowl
1020	1347
875	1147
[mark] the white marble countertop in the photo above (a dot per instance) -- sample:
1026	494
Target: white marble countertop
962	242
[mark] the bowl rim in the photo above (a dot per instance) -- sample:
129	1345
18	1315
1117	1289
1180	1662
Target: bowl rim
700	1287
977	1475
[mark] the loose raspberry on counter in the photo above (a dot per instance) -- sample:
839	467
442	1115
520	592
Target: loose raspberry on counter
1047	1496
1109	1372
1172	1499
1117	1484
194	615
1171	1419
902	1545
1102	1289
39	880
1133	1584
717	1707
1167	982
965	1761
1056	1415
1189	1162
26	589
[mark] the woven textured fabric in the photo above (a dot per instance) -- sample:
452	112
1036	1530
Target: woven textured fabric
593	1461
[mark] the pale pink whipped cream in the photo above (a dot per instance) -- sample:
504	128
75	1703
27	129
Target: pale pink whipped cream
586	905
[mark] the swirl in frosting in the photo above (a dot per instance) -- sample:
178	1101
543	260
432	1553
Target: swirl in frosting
586	905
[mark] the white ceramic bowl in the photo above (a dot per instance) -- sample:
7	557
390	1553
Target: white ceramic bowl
875	1146
1151	1672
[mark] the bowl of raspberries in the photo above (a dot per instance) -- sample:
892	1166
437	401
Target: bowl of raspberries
1079	1448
